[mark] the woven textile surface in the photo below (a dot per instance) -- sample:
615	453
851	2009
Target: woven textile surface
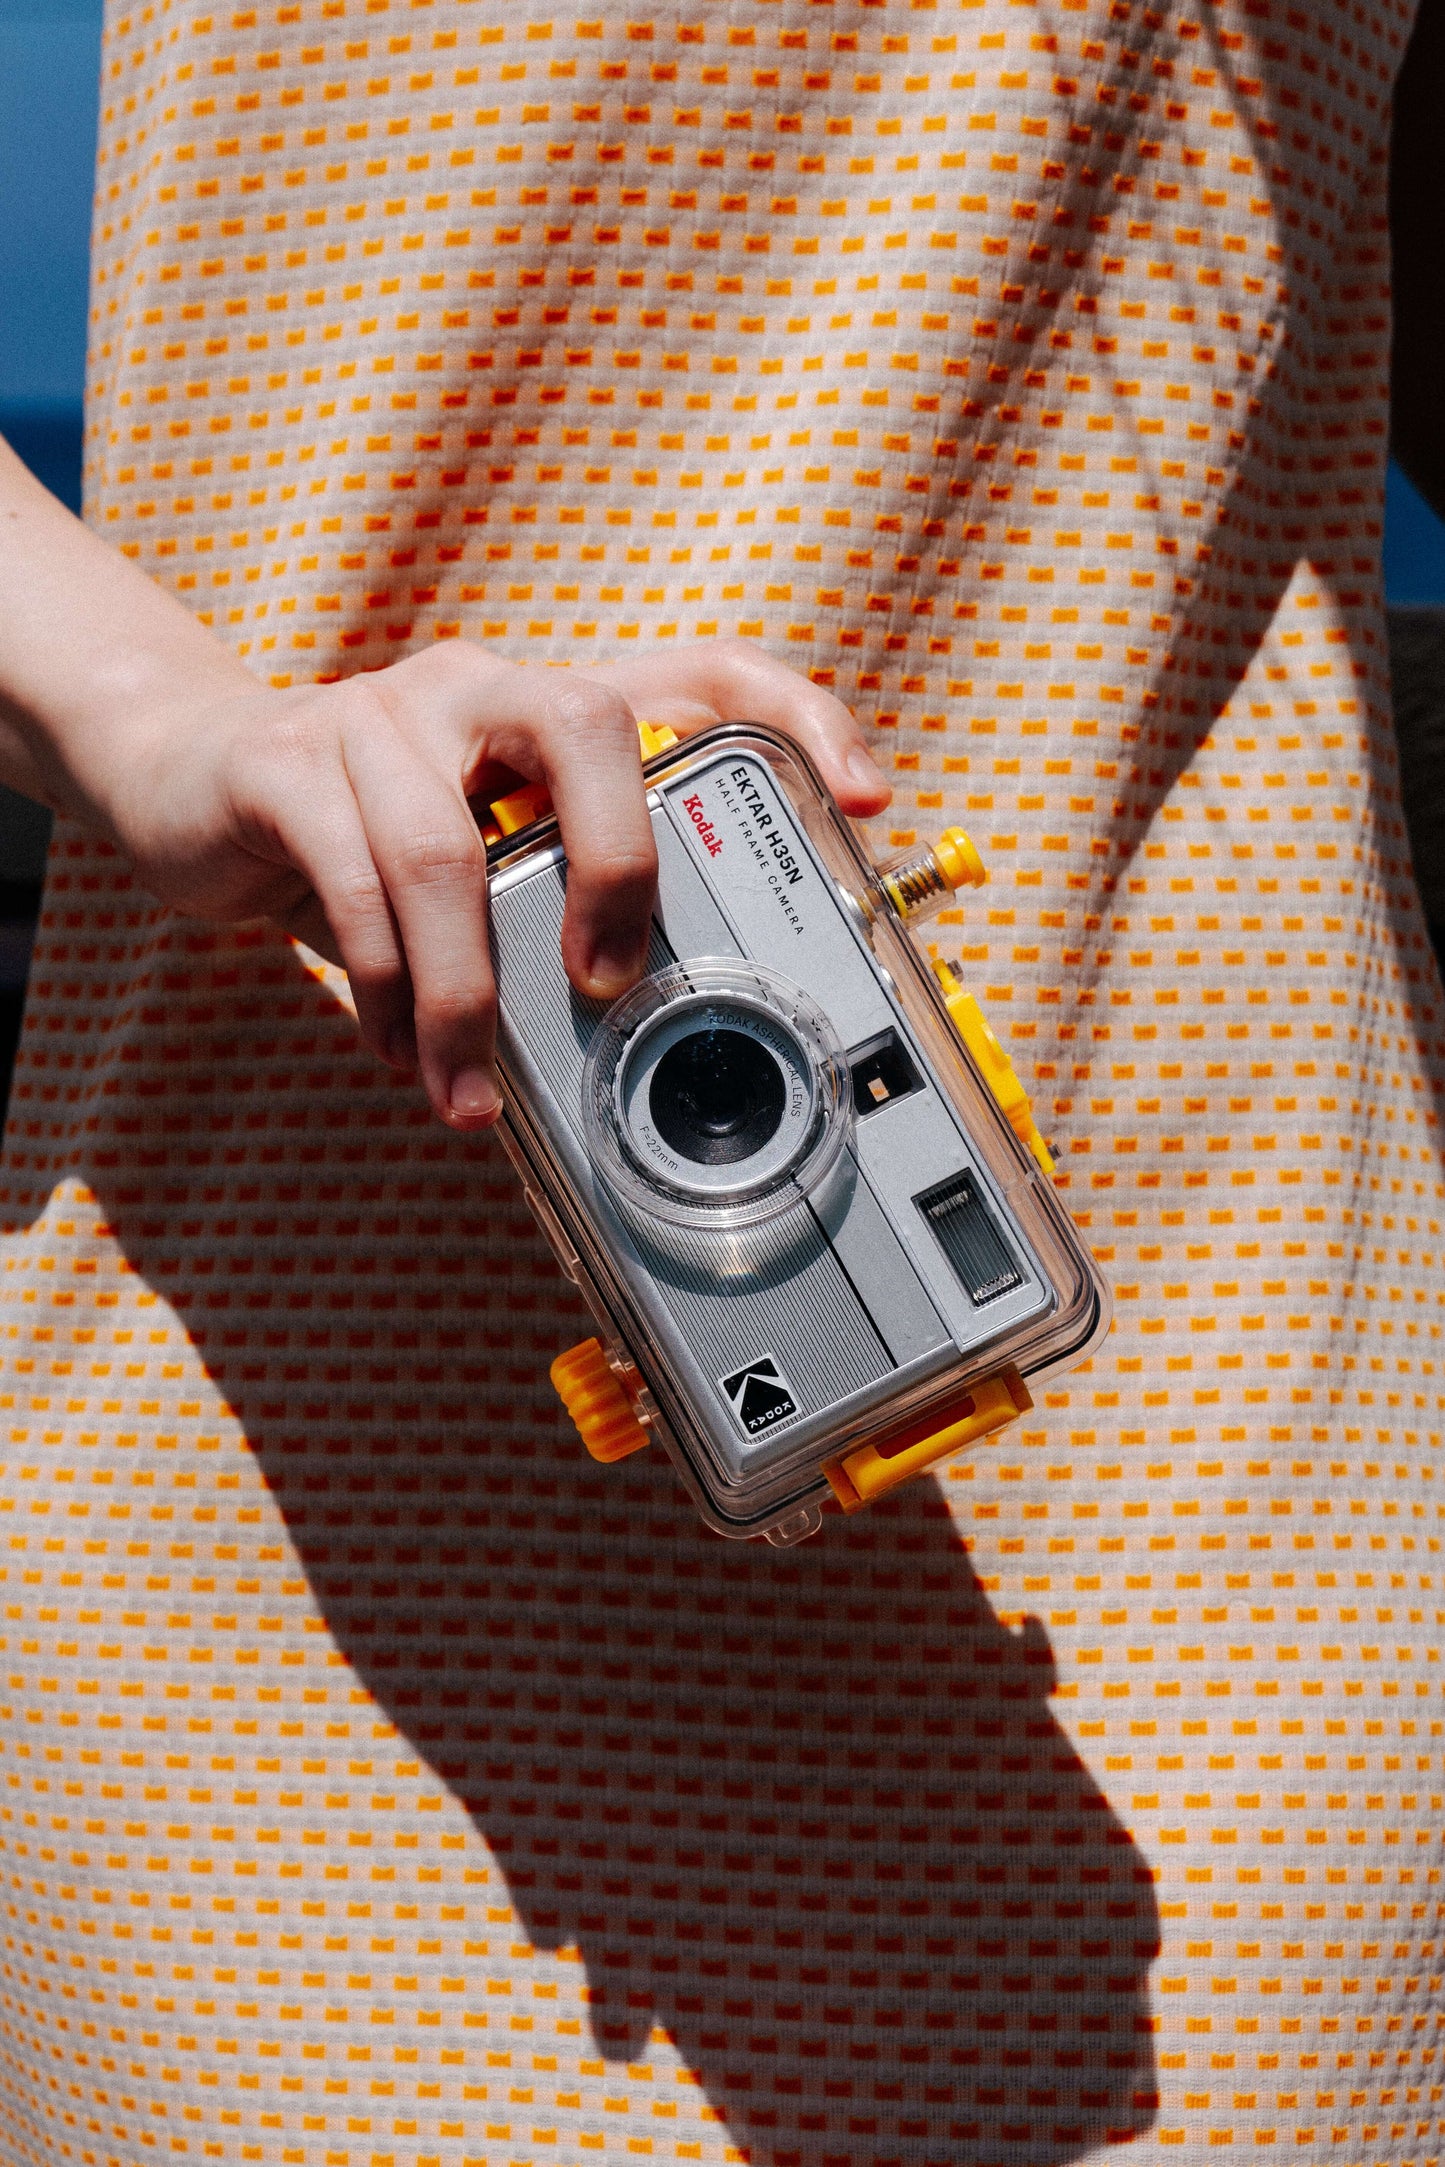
384	1785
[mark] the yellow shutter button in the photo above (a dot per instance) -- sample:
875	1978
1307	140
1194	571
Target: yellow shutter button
588	1387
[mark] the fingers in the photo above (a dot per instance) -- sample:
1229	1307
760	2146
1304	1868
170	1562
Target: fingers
365	791
593	769
733	681
578	737
362	790
767	691
308	923
346	916
397	876
432	865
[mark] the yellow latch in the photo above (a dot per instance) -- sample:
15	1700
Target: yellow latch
655	737
978	1034
870	1471
588	1388
518	810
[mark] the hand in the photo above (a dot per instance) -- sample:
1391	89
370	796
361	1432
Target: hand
344	811
735	681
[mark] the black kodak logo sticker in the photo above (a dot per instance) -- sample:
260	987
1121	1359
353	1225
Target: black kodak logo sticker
760	1395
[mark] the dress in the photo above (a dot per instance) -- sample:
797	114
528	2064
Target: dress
386	1786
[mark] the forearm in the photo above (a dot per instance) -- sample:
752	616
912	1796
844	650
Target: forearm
91	651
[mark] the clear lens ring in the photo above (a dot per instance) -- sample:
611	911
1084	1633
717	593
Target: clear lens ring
655	1095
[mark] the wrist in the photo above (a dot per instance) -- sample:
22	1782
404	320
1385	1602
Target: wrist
129	741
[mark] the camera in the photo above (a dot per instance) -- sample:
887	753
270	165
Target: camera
791	1171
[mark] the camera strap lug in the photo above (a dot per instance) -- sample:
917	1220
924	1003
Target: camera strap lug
871	1471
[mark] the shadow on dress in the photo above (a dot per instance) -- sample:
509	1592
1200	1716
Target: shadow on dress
949	1934
807	1814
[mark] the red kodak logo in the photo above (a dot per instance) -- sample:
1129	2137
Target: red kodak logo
707	833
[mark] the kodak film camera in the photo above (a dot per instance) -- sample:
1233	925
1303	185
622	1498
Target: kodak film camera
792	1171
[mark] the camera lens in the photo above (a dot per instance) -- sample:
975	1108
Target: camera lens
717	1097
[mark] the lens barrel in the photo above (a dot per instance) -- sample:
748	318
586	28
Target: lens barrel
715	1095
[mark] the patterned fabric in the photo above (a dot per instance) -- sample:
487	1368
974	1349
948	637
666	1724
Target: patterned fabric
384	1785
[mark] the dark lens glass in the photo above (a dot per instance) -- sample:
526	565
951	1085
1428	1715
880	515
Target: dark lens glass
717	1097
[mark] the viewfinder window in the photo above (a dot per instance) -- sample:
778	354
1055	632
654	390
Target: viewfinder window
883	1071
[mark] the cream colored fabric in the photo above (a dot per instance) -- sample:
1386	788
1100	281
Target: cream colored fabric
385	1784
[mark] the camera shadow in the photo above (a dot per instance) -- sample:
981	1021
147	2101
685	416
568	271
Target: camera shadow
807	1814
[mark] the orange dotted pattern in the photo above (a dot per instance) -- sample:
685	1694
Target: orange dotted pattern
382	1783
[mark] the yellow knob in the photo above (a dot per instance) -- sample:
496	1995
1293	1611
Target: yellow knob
521	807
958	860
918	884
588	1388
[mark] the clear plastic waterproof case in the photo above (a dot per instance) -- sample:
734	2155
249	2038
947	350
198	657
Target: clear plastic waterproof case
792	1172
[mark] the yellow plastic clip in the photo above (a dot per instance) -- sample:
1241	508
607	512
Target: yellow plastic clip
978	1034
588	1387
870	1471
518	810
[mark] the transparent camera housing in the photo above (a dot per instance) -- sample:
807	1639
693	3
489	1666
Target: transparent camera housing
792	1171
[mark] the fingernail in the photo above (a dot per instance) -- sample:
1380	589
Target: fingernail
616	962
865	770
401	1046
474	1095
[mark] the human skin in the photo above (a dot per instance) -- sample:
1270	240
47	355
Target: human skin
345	811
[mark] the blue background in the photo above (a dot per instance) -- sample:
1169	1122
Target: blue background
49	90
49	74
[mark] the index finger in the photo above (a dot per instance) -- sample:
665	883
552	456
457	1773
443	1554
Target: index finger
591	761
734	680
578	737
